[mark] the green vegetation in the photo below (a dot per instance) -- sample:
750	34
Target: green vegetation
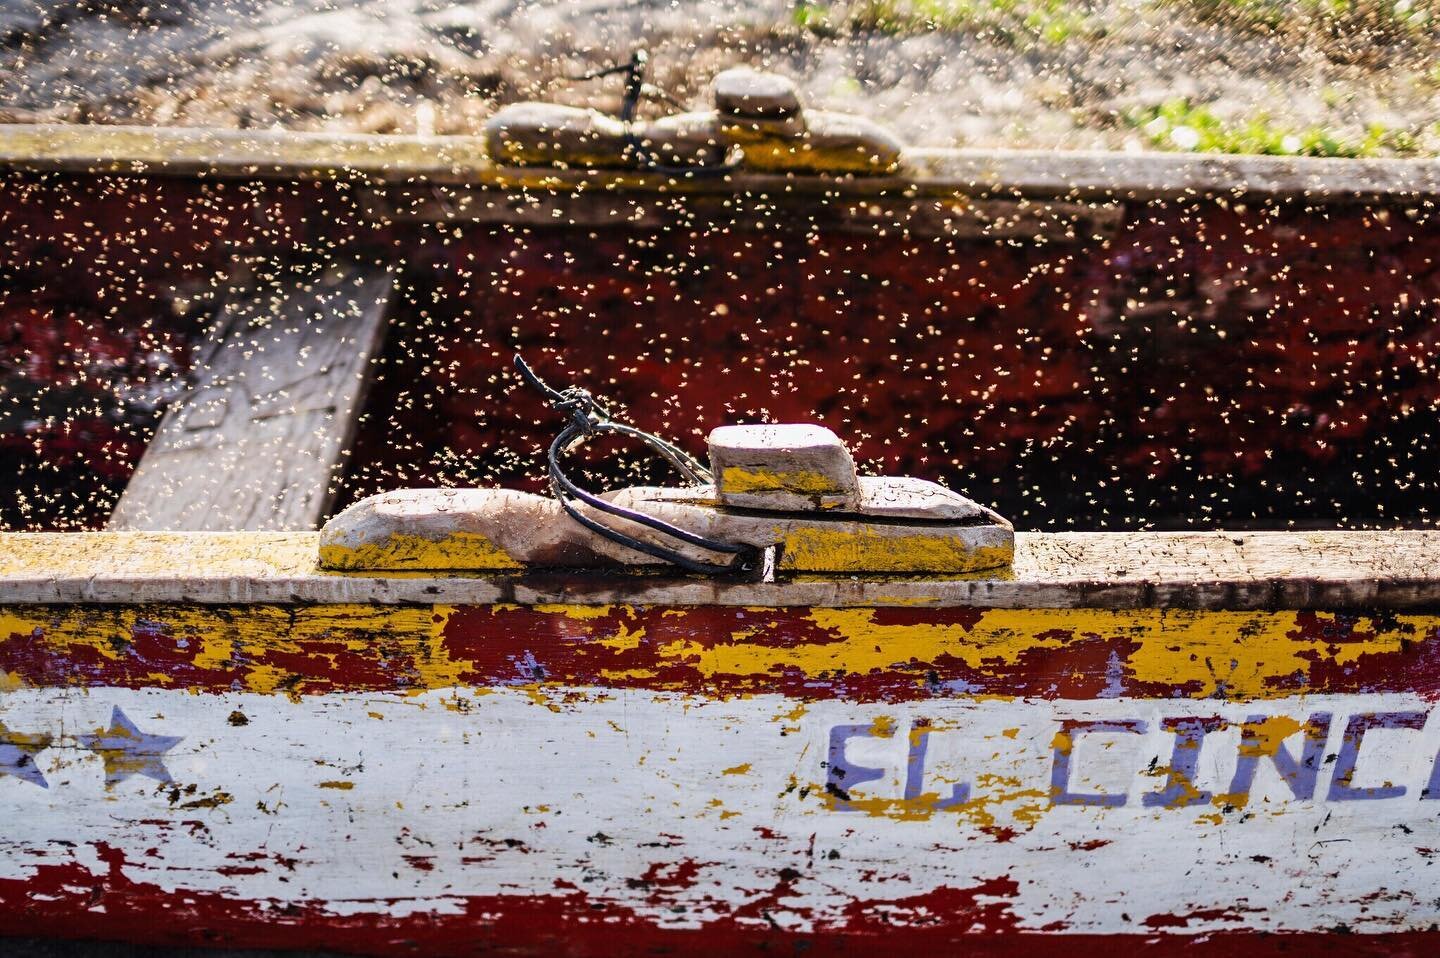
1401	36
1180	125
1371	21
1336	23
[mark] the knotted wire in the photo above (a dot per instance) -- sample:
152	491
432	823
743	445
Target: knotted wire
588	417
635	88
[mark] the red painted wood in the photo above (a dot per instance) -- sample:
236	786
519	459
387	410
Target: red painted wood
102	287
496	646
1208	365
69	901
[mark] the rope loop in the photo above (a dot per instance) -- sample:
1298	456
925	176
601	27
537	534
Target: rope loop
589	417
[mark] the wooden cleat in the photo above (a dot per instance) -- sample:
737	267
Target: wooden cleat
743	92
783	468
789	490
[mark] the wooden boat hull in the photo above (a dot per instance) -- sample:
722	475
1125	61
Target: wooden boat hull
539	774
1200	744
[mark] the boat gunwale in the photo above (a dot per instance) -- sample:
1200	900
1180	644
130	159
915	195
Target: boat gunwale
1392	570
461	160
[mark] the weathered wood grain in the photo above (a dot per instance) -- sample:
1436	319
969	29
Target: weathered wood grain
257	442
924	216
452	530
1145	176
1215	570
459	159
246	154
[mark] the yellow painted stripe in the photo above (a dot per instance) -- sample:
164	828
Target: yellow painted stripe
1236	655
738	479
811	549
457	550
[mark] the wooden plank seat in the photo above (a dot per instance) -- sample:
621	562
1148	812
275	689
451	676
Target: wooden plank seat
259	440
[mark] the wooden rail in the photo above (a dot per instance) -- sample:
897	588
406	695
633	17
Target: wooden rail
1212	571
462	160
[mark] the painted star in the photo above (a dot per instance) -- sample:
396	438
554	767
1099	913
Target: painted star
127	751
17	755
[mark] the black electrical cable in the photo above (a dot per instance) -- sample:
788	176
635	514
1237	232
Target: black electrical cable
635	88
587	418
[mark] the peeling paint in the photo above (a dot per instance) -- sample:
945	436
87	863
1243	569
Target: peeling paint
744	775
455	550
514	803
863	654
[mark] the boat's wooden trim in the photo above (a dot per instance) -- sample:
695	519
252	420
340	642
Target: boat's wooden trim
953	216
245	154
259	442
462	160
1201	570
1095	174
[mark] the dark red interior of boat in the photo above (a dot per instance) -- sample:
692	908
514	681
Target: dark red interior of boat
1213	363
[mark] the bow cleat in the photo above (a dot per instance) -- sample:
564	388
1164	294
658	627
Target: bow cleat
758	124
774	498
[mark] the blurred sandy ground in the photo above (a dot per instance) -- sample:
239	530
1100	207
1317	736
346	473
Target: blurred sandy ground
408	65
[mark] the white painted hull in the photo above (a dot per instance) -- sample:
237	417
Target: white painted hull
683	811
